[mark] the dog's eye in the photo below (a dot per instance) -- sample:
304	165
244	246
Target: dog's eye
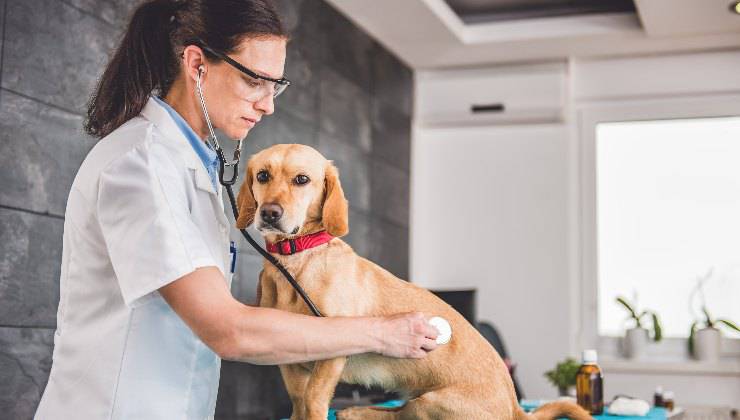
301	179
262	176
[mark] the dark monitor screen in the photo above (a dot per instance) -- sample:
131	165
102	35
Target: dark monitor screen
462	300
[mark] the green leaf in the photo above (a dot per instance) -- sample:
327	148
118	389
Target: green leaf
564	374
709	321
692	334
639	318
657	329
629	308
730	324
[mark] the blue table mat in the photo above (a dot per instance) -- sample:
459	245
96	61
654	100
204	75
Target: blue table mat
391	403
655	413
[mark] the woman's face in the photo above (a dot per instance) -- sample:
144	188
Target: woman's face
227	90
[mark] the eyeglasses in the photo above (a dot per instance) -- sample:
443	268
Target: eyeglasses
258	86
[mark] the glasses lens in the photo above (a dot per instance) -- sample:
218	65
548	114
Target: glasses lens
279	88
256	89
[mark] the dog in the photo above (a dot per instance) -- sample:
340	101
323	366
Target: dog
291	191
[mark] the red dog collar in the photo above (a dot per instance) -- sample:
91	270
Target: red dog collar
301	243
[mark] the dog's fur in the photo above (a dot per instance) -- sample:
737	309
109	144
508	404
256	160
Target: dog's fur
464	379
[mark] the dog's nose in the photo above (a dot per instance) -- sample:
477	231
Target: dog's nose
271	213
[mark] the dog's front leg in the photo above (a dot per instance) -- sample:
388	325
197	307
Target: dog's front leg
320	389
296	379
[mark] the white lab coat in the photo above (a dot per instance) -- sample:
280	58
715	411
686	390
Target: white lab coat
141	213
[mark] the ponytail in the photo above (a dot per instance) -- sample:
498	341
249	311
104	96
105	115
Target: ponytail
146	61
142	62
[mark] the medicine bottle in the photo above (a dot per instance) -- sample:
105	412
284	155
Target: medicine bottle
589	384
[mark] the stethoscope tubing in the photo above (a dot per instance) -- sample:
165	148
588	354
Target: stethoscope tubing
228	183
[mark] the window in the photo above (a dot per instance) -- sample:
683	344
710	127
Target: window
668	212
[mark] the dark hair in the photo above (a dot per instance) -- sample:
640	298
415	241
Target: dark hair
146	60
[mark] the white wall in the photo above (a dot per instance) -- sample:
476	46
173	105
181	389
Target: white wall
498	207
489	212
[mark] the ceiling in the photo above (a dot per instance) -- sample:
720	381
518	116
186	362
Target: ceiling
480	11
428	34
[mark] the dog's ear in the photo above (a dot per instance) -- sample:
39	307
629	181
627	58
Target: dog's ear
335	213
246	203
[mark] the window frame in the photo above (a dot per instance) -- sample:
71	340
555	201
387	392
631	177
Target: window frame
588	115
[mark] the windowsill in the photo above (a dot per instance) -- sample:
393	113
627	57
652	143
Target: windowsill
685	367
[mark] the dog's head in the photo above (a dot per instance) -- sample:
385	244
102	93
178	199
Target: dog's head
290	190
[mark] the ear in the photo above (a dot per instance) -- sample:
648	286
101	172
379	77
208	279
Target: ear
335	213
245	203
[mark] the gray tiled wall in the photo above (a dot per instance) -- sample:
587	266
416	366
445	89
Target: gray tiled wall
351	99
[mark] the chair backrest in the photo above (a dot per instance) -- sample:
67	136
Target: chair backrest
490	333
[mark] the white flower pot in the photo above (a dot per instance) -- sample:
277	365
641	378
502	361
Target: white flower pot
635	343
707	343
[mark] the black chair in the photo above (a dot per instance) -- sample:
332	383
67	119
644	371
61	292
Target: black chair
463	300
490	333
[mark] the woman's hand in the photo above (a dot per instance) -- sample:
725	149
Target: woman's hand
406	335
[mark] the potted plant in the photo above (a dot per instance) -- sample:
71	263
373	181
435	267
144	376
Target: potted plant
704	336
564	377
636	338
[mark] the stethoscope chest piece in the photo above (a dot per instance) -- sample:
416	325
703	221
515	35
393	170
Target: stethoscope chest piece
444	328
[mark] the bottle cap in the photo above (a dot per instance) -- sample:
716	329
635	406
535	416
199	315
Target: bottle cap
589	356
659	390
668	395
445	331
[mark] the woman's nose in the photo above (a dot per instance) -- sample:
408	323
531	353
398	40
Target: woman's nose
271	212
266	104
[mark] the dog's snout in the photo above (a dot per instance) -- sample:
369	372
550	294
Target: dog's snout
271	212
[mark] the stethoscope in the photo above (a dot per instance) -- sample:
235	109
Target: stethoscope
228	183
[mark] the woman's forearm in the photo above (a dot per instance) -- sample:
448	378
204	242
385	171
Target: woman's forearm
267	336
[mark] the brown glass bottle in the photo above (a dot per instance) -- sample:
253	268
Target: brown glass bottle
668	402
590	384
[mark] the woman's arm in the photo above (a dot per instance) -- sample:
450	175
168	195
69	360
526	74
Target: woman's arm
269	336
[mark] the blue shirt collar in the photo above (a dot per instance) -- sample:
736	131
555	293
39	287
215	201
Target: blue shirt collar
204	151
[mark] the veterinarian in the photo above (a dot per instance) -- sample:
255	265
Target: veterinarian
145	311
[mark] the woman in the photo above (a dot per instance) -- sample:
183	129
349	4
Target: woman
145	313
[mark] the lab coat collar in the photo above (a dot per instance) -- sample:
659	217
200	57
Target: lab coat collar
204	151
161	118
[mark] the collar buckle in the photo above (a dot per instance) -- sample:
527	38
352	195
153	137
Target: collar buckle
287	247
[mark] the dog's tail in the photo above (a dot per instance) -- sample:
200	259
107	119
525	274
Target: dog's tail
557	409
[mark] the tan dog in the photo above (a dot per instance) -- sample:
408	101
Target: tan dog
295	191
